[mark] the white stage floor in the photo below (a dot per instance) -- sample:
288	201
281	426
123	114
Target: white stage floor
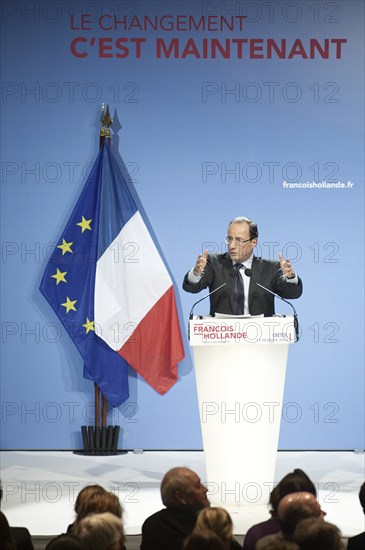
40	487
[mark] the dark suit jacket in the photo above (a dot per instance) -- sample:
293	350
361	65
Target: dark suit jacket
268	273
356	543
167	529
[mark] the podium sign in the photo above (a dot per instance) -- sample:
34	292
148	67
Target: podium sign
235	330
240	366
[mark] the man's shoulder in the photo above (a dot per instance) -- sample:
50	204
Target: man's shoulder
167	514
167	528
268	527
157	516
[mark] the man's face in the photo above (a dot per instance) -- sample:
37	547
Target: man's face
240	246
313	503
194	494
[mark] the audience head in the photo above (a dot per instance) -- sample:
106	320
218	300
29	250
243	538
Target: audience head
181	487
293	482
100	531
273	542
295	507
66	542
217	520
98	503
203	540
87	493
315	534
362	496
6	536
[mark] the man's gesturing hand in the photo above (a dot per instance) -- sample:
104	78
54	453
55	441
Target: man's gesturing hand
200	263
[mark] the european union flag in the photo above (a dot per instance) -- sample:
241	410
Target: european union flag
68	284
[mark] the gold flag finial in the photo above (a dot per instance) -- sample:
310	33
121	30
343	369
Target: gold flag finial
106	121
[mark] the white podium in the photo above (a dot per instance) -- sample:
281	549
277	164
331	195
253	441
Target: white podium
240	369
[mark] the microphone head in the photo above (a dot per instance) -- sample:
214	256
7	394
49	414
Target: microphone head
248	272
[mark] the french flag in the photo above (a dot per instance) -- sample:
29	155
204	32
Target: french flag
135	307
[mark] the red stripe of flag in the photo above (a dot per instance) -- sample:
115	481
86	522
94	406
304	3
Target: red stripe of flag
155	347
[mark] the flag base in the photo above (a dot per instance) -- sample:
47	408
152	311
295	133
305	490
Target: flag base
100	441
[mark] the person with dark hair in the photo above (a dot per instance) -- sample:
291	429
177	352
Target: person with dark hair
358	542
98	503
7	541
292	482
183	495
89	493
271	542
19	535
242	296
316	534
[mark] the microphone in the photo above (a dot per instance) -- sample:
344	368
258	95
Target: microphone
248	273
232	274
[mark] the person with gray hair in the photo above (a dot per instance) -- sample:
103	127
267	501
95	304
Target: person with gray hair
295	507
100	531
234	277
183	495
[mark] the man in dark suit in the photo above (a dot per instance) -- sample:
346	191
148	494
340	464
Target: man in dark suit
20	535
358	542
241	294
183	495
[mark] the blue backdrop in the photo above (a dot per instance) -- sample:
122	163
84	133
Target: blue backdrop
253	113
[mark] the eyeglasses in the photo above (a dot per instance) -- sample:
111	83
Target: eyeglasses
237	240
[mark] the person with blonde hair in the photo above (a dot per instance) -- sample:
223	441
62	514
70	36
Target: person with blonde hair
100	531
204	539
220	522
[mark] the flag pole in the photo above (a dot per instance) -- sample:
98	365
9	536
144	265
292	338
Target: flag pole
96	387
100	439
104	445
